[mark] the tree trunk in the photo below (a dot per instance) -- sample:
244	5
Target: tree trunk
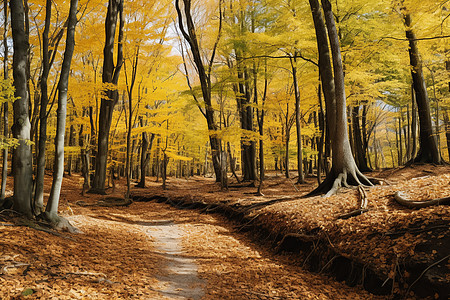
205	80
344	170
5	105
428	149
40	170
21	128
301	175
361	158
447	131
71	144
58	171
84	145
110	75
145	155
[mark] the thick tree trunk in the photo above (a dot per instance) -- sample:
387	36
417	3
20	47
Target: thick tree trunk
110	75
22	155
344	170
428	148
5	105
58	171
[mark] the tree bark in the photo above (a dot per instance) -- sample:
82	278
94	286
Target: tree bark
22	156
428	149
301	175
205	80
361	158
5	105
344	170
41	158
110	75
58	171
145	155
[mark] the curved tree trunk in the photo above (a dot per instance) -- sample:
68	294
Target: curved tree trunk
21	129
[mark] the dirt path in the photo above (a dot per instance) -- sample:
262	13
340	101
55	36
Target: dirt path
180	278
205	257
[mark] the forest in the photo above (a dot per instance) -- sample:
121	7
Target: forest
306	142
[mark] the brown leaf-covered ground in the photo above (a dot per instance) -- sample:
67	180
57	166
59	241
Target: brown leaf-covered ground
115	259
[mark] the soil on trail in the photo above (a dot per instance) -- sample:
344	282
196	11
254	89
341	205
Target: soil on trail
150	250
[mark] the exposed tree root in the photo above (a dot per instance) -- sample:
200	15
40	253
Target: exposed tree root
57	222
107	202
334	181
363	205
353	213
401	199
426	270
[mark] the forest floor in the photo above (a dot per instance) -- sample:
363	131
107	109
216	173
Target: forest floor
277	246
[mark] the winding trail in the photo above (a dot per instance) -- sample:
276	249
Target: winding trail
180	279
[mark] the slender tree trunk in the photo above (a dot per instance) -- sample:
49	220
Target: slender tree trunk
110	75
22	156
447	131
361	158
58	172
5	105
145	155
400	155
232	162
204	77
41	157
301	175
71	144
84	145
320	156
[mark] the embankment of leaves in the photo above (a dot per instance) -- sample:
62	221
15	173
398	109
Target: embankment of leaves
421	270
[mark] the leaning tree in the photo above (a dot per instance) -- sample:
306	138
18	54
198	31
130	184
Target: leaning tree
344	170
428	146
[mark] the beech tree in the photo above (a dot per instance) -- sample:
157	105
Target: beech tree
344	170
110	75
23	181
51	210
